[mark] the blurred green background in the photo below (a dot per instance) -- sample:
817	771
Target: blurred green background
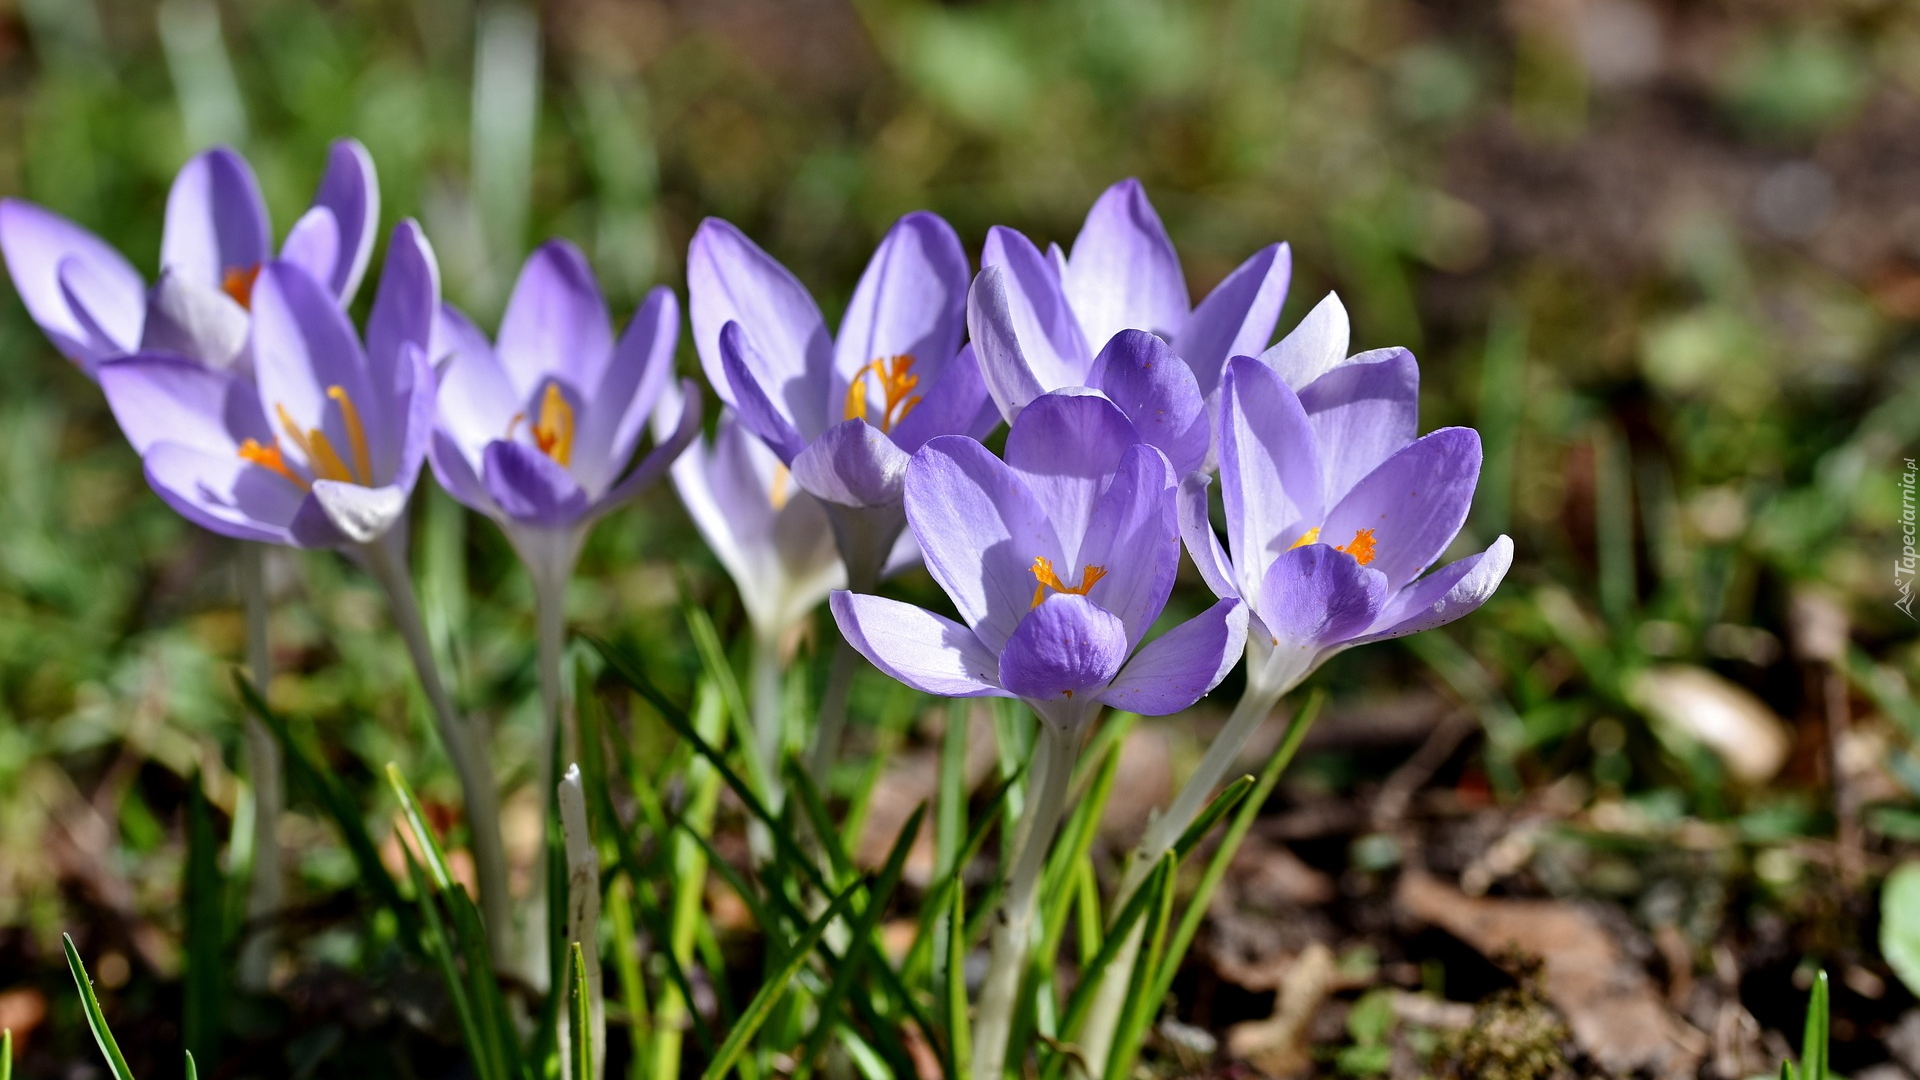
1666	256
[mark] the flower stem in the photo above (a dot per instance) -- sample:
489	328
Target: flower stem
265	883
467	748
865	538
1110	998
768	721
583	924
1013	925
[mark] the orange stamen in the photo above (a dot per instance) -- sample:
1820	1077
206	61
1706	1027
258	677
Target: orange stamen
777	493
1361	548
1308	537
897	398
1043	573
237	282
554	432
356	434
268	457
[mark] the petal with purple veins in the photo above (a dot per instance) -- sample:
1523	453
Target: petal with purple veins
556	323
955	404
36	243
730	279
1182	665
853	464
216	220
1313	348
1444	595
1314	596
350	190
932	654
1146	378
610	424
1361	413
529	486
1133	536
303	347
1269	468
1068	647
744	367
1123	273
1413	505
221	492
1237	318
911	301
1065	448
1203	544
1049	334
165	398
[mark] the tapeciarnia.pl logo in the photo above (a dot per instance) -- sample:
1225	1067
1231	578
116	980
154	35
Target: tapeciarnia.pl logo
1903	568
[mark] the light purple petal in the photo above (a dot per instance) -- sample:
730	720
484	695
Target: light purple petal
191	320
216	219
416	398
1065	447
934	655
981	530
1123	273
1314	596
221	492
529	486
314	243
350	190
1134	537
729	279
956	404
1444	595
1203	544
1315	347
1049	334
853	464
1145	377
1414	503
1067	647
453	333
1361	413
1182	665
609	426
457	474
1004	370
405	310
1270	473
556	323
741	365
36	242
165	398
302	347
911	301
1237	318
477	400
664	452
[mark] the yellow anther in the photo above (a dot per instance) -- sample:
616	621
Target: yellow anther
777	493
238	281
316	448
1308	537
1361	548
1043	573
356	434
897	398
268	457
553	434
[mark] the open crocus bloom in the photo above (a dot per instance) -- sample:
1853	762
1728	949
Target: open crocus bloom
321	444
1334	509
95	306
537	429
843	413
1059	559
772	537
1052	311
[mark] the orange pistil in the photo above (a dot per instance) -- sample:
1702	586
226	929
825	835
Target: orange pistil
896	391
1043	573
237	282
268	457
553	433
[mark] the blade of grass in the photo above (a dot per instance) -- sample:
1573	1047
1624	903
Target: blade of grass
776	988
6	1055
1813	1041
863	927
206	925
1217	809
437	948
959	1037
1123	923
626	969
193	1071
580	1052
919	955
814	806
1144	1008
96	1020
1247	810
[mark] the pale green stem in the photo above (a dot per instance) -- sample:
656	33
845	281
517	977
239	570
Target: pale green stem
266	878
768	726
583	923
864	544
550	636
1109	1001
1013	924
466	747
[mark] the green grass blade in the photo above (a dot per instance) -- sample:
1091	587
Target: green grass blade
434	933
6	1055
807	794
863	927
1813	1043
580	1049
193	1071
950	797
96	1019
776	986
1249	807
1142	1009
959	1035
304	769
919	955
626	969
436	859
206	928
1082	999
1217	809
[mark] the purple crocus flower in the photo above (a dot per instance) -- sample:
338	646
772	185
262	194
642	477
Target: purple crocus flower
844	413
772	537
319	444
1047	314
95	306
1334	510
537	429
1059	559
